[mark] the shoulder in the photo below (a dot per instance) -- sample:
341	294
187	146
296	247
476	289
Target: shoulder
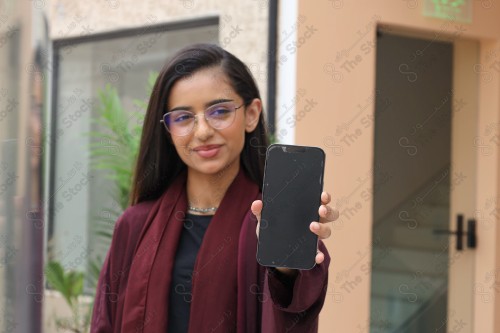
132	220
127	231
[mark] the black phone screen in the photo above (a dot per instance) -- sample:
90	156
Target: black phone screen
291	196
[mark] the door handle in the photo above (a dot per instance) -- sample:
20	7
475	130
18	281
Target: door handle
470	233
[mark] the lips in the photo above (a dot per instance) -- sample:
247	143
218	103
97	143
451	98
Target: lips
207	151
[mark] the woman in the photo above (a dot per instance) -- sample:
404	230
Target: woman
198	177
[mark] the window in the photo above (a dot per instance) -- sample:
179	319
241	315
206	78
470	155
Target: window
80	195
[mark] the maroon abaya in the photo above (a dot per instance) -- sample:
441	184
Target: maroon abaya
231	292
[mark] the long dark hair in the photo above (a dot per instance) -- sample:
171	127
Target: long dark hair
158	162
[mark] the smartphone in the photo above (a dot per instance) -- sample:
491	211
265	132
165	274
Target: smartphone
291	197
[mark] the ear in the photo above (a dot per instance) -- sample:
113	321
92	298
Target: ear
252	114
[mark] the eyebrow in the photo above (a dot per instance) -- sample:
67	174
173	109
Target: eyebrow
213	102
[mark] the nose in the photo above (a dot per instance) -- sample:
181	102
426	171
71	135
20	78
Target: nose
202	129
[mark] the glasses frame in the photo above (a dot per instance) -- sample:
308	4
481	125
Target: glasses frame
196	117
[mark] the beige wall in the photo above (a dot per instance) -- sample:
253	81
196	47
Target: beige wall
339	82
70	18
487	274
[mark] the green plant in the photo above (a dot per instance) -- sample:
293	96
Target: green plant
113	150
120	130
70	285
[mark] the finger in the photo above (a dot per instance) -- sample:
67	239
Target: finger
325	198
322	230
327	214
256	210
320	257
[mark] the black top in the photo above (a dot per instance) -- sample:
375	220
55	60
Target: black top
180	290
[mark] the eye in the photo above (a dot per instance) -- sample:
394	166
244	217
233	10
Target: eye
181	116
219	110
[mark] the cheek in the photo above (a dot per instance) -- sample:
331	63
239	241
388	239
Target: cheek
237	139
181	146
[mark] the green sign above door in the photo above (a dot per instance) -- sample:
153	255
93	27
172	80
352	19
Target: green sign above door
453	10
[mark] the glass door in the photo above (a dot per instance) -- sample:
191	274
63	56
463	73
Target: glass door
422	176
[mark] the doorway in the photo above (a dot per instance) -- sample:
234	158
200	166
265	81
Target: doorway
418	179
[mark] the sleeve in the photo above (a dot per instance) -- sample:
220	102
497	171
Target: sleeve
104	302
110	277
297	302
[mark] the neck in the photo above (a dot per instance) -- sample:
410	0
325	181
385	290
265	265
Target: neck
207	190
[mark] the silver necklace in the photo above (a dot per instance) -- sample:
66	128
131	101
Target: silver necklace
202	210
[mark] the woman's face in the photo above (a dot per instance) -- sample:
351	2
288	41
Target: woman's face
205	149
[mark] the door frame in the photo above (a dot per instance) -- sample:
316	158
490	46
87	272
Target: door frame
476	77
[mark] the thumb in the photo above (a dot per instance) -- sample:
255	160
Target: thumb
256	210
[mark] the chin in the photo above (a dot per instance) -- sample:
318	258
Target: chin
216	167
209	168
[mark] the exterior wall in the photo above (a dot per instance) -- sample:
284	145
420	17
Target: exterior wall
487	273
243	24
336	66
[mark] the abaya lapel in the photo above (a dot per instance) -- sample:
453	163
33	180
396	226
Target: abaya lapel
214	288
146	299
214	285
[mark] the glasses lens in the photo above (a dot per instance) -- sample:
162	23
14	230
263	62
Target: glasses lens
221	115
179	122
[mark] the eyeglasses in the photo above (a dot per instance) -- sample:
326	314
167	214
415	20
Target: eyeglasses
218	116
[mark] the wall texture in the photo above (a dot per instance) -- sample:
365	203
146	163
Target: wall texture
243	24
336	66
